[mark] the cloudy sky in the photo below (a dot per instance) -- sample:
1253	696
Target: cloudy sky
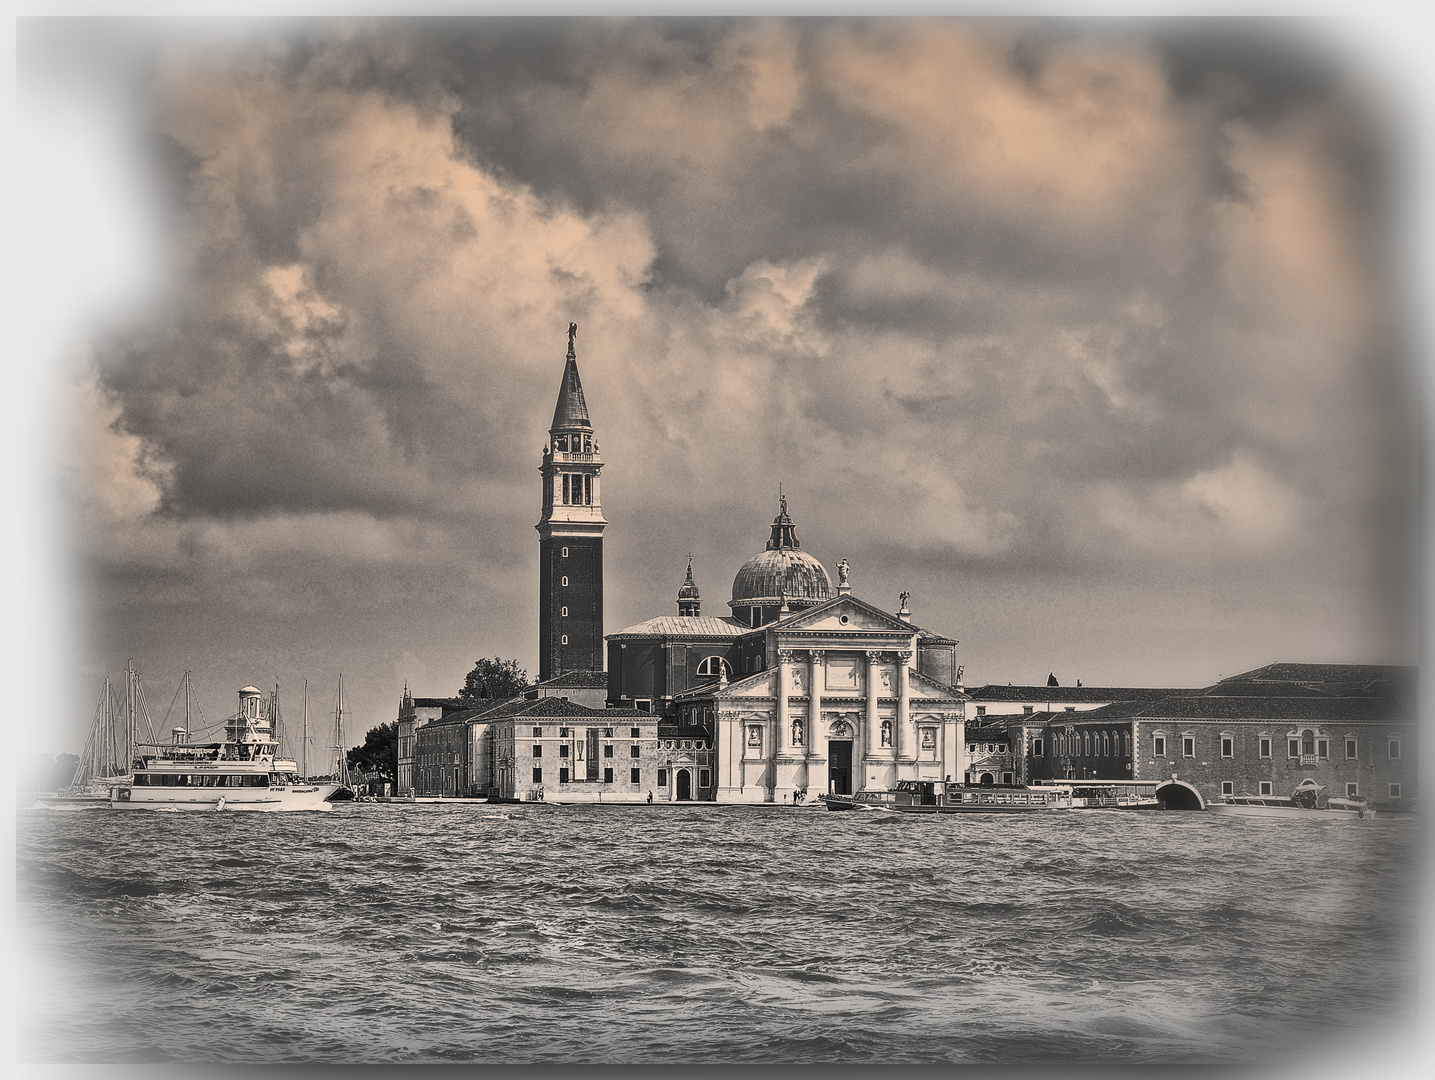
1089	335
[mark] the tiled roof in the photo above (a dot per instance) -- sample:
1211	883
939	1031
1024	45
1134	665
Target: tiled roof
574	680
1074	695
1276	708
692	626
551	706
436	702
936	639
1339	674
680	731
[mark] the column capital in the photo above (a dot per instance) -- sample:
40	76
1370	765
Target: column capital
816	655
875	656
903	655
786	656
729	716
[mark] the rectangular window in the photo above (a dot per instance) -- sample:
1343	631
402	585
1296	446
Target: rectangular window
537	749
1395	751
565	489
563	776
1351	750
1293	748
538	733
1026	710
1395	791
635	751
1228	746
635	733
607	776
1352	791
635	776
563	750
563	733
981	710
1265	748
537	774
607	749
587	491
1006	778
1322	748
1158	746
1036	747
662	778
1188	746
1228	787
704	778
1265	787
607	733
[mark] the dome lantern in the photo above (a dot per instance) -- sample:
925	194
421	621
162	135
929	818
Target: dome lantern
781	576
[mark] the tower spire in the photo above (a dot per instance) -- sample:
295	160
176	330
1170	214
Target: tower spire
690	601
570	535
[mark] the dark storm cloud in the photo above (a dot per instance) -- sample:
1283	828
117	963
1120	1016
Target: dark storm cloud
998	302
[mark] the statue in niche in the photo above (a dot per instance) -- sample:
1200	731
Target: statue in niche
754	736
886	733
843	568
886	678
797	679
797	732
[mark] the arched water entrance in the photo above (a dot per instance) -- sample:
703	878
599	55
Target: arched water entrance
685	785
1179	795
987	779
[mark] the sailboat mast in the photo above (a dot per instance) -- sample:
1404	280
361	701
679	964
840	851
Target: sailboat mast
339	721
109	736
304	747
129	713
186	706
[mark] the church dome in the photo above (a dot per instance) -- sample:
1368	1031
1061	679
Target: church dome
782	572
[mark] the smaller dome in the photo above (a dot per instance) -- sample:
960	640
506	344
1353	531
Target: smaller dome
689	589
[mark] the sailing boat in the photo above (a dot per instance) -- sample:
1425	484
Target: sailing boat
108	756
341	772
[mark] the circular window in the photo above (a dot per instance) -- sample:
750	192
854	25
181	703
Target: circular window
843	620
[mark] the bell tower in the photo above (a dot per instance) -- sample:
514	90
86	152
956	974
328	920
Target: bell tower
570	536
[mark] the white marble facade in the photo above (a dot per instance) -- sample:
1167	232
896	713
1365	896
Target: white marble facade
840	706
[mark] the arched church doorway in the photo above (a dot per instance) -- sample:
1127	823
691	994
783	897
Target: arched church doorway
685	785
1179	795
987	779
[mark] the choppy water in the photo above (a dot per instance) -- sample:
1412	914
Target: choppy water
428	933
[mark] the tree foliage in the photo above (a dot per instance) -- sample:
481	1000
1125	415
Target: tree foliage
495	680
379	752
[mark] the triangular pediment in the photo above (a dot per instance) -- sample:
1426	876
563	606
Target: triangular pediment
859	615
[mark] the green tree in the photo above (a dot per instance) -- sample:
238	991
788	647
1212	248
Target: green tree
494	680
379	753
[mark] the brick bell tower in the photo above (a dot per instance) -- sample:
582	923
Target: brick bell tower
570	536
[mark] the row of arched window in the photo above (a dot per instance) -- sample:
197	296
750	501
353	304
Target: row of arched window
1091	744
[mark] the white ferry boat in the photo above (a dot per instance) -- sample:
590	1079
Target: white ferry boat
1106	794
937	797
243	772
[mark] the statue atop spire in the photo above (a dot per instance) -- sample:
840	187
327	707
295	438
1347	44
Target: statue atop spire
784	533
571	411
572	333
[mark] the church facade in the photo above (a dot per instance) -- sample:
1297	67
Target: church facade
802	688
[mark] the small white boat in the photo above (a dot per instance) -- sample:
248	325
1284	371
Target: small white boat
241	773
1305	801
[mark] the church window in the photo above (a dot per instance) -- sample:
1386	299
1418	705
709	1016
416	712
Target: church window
565	553
565	613
587	491
565	639
565	580
714	665
1036	747
565	489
